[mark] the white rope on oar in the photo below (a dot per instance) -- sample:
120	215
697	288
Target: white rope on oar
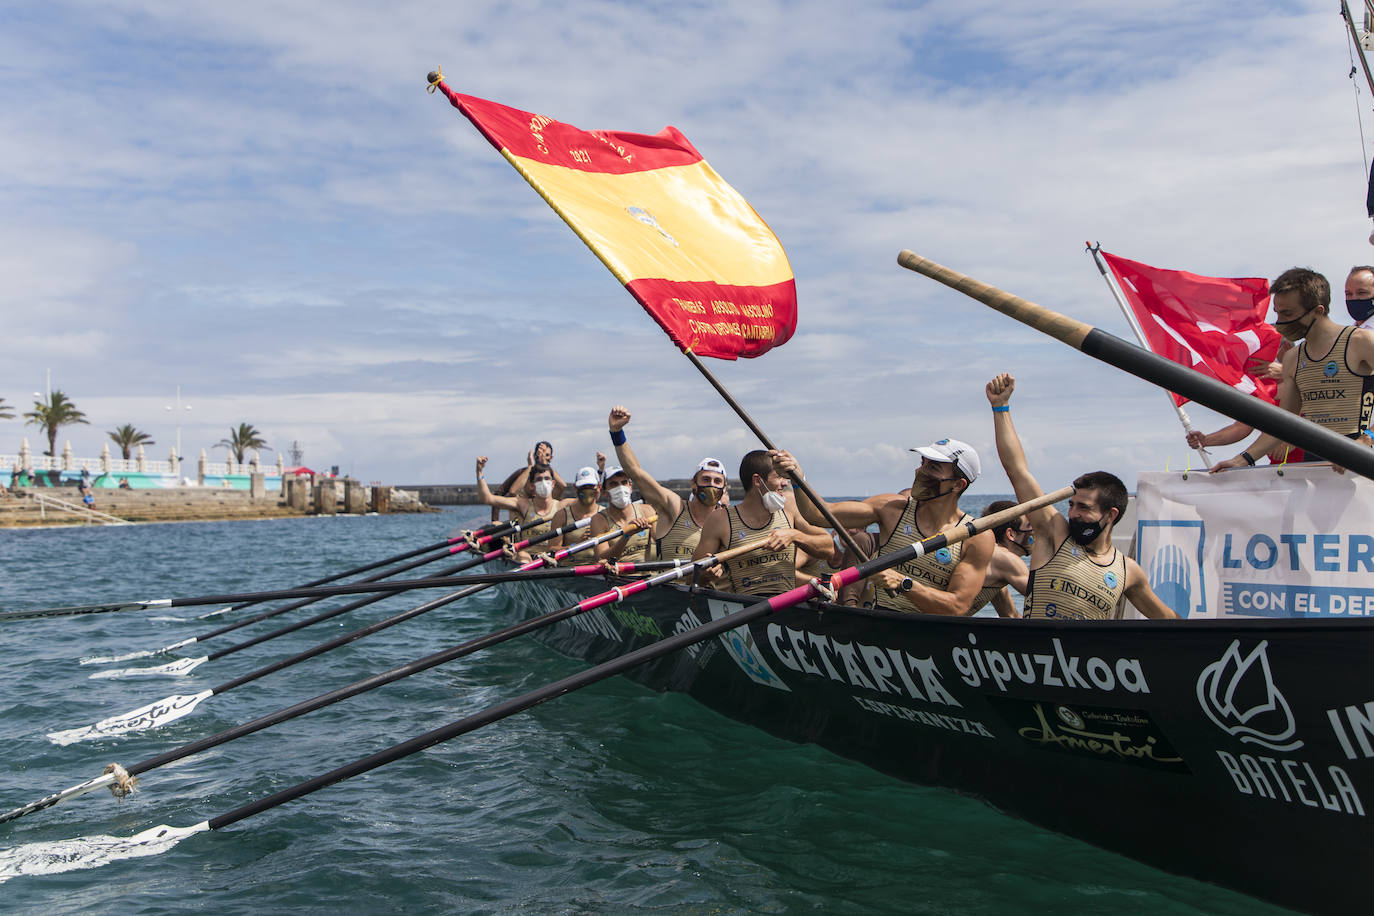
124	784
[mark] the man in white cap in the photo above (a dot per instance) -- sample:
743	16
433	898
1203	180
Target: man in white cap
587	485
635	547
943	582
679	524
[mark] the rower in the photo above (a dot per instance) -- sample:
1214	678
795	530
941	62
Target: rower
534	512
1335	389
944	582
679	520
587	486
1076	572
635	547
517	481
765	516
1007	569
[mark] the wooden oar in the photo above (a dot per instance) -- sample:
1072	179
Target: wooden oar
184	666
1157	370
90	852
258	597
116	775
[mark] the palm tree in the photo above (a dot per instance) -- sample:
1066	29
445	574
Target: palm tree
128	439
52	416
241	440
6	411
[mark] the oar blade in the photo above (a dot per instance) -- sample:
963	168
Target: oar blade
179	668
159	712
130	656
83	852
100	782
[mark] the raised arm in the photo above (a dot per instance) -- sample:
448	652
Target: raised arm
1012	456
668	503
484	492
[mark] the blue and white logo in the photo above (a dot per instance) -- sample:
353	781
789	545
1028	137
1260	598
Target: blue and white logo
739	642
1175	564
1330	369
943	556
1109	579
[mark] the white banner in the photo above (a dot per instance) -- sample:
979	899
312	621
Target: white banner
1258	542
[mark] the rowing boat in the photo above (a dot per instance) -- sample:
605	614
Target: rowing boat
1235	751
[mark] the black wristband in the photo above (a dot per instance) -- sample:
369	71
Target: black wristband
1249	459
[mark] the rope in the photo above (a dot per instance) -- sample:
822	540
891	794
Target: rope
124	784
1355	84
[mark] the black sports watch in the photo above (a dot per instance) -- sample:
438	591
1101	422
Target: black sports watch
907	584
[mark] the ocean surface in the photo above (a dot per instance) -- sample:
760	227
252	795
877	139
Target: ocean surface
612	799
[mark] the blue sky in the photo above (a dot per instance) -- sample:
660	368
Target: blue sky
259	203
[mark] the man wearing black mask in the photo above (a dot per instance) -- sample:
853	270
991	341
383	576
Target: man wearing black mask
1329	378
1359	295
1076	572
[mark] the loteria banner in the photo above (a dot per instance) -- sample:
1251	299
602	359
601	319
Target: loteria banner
1259	542
687	245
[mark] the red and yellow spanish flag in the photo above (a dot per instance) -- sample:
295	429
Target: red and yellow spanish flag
686	245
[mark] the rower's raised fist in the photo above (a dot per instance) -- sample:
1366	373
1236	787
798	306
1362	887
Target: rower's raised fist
618	418
1000	388
481	463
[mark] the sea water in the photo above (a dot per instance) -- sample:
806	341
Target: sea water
612	799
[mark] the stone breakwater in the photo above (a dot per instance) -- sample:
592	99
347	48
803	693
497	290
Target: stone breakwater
37	507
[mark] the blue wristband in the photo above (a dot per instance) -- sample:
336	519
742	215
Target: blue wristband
617	437
1004	408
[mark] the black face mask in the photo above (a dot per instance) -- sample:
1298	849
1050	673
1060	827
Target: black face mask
1294	331
1359	309
1084	533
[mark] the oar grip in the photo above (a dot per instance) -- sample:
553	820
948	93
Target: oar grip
733	552
628	528
1047	321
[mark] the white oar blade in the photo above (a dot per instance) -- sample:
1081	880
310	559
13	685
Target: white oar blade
145	653
47	801
227	607
90	851
160	712
179	668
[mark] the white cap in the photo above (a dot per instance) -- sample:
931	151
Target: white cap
586	477
611	471
952	451
711	464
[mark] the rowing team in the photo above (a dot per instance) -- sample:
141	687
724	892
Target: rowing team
1074	573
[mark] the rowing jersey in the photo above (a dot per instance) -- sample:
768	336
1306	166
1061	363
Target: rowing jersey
1334	395
984	597
533	524
575	537
760	572
680	541
1073	586
932	569
639	544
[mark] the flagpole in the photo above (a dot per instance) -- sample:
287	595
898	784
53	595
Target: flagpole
797	481
1355	37
1183	418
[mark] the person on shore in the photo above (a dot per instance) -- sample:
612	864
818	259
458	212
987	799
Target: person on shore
1076	571
1359	295
678	528
1329	377
1007	569
124	484
636	547
584	504
534	512
764	517
945	582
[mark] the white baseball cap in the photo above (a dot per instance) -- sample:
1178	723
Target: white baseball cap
611	471
586	477
952	451
711	464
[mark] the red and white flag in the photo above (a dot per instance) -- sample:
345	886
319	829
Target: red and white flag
1213	324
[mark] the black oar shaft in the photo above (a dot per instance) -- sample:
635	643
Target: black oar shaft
1156	369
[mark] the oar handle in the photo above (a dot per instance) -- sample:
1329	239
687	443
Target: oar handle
733	552
629	527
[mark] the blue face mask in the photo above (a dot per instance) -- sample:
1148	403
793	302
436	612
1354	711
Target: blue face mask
1359	309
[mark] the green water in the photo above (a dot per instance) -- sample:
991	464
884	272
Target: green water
609	800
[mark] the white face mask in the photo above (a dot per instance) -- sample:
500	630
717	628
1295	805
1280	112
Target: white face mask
773	501
543	488
620	497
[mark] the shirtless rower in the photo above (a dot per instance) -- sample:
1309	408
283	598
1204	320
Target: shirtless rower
1007	569
945	582
535	510
633	548
1076	571
764	516
679	520
587	486
1334	389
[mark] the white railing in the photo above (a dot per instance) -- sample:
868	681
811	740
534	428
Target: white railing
48	502
121	466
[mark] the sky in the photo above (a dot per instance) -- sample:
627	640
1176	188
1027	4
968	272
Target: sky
259	203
